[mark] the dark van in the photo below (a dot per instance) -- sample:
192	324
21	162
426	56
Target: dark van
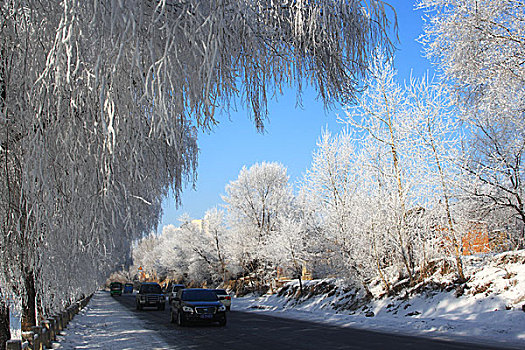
115	288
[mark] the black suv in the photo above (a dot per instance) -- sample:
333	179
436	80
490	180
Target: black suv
150	294
195	304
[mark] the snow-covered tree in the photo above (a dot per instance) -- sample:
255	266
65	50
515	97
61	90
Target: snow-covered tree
333	183
193	252
204	240
385	187
144	253
287	247
479	46
438	141
174	253
381	115
259	195
217	234
255	202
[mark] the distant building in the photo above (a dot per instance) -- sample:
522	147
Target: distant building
479	240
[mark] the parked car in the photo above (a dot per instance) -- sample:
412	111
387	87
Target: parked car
224	298
172	291
197	305
115	288
150	295
128	288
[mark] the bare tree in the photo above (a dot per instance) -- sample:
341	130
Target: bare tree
495	166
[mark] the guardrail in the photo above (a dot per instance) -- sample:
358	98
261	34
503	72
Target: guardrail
41	337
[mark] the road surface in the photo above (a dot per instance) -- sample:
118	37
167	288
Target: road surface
255	331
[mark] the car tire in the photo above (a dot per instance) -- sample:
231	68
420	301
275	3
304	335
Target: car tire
161	307
139	307
222	322
172	318
228	308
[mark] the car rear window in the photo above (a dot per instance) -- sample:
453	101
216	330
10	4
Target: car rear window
199	295
150	288
115	286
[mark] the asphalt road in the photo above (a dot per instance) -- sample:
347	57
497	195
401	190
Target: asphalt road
248	331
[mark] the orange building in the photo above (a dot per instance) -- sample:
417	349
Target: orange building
476	240
479	240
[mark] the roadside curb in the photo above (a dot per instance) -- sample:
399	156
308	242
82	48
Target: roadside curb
41	337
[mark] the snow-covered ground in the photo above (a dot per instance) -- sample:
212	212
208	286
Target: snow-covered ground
488	312
106	324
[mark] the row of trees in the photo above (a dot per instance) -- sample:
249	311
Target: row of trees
100	106
479	48
405	181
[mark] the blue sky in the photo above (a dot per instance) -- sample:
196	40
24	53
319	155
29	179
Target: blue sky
291	133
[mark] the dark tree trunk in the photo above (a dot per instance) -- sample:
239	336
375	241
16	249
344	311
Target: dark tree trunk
5	329
29	302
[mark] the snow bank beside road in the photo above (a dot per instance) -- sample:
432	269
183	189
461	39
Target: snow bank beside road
500	328
106	324
486	310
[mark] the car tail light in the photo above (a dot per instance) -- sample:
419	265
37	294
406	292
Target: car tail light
228	298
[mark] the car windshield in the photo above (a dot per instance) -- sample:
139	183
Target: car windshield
116	285
199	295
150	288
220	292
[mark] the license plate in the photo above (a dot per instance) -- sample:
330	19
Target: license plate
206	316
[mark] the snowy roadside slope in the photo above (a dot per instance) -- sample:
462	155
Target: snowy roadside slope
487	312
106	324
